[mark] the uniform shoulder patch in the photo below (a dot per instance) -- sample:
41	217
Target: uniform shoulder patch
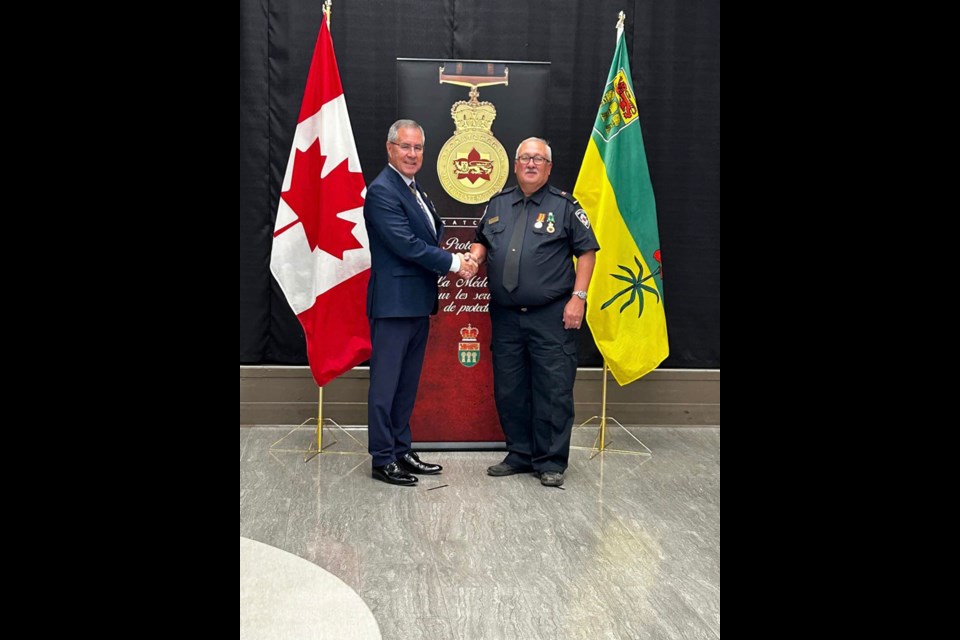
582	217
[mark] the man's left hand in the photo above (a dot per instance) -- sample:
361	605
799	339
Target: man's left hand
573	313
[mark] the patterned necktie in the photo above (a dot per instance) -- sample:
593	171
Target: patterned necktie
511	266
416	196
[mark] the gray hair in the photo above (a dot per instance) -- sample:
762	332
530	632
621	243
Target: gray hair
393	136
545	143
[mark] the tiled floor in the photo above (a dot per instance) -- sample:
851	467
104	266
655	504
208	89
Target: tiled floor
629	548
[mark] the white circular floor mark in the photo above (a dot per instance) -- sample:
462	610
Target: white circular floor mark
284	596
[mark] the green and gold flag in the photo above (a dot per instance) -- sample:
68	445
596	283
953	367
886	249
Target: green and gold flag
625	300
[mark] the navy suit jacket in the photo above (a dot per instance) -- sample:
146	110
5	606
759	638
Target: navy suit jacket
404	250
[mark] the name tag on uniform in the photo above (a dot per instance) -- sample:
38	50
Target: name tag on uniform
493	220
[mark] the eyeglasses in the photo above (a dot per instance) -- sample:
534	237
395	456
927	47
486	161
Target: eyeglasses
537	160
407	147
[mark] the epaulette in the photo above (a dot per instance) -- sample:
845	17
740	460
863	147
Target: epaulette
563	194
504	191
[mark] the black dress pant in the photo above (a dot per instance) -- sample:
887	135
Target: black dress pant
534	367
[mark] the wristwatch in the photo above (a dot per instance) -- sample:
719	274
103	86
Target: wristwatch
580	294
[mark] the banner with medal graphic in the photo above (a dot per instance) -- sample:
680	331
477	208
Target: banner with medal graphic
474	114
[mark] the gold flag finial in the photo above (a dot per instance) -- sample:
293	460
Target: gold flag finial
620	20
327	10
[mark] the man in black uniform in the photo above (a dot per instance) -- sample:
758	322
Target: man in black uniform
528	237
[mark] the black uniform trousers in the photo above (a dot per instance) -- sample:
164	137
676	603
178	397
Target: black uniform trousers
399	345
534	367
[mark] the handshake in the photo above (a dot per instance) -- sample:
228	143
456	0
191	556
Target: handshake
468	265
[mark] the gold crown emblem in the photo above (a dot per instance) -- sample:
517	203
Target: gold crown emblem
469	332
473	115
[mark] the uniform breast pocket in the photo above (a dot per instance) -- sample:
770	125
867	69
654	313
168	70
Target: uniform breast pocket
494	235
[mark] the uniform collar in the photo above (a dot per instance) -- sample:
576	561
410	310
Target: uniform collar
536	197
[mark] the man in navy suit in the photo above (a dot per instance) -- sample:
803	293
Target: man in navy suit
404	231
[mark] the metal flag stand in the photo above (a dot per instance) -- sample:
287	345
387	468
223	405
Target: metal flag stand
310	452
602	443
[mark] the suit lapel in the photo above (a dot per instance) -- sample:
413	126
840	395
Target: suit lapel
415	212
437	222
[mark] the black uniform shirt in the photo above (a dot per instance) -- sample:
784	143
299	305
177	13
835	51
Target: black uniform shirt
546	264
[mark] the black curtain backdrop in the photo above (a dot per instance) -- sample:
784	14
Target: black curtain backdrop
674	48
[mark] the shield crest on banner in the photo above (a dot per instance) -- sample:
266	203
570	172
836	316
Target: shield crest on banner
469	349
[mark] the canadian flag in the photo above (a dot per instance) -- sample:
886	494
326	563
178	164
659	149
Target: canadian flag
321	254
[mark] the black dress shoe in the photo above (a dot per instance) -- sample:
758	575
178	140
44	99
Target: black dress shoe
411	463
394	475
551	478
504	469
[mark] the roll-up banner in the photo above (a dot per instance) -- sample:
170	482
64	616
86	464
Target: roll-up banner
474	114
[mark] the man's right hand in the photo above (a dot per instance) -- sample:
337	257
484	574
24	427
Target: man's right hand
468	266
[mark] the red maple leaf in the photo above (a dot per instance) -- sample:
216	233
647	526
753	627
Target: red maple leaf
473	167
316	202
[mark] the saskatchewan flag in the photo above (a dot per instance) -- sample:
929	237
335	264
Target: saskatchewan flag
625	299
